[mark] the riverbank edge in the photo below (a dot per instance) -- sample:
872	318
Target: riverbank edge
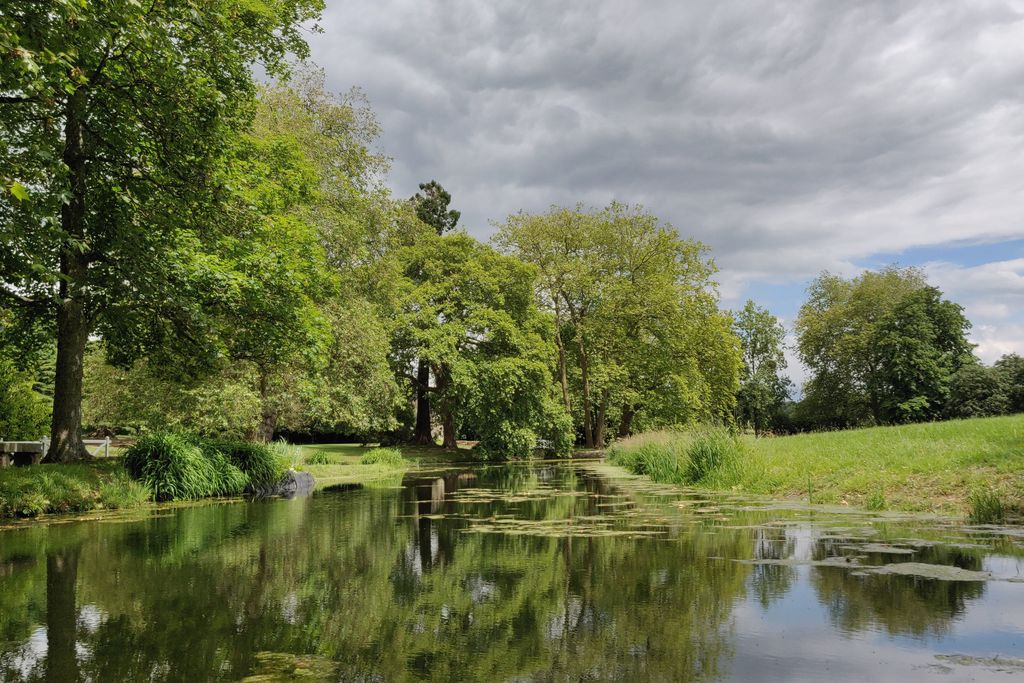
48	491
969	469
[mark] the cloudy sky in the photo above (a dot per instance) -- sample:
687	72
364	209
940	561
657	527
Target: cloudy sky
791	136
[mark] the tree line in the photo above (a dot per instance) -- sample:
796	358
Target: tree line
185	247
884	347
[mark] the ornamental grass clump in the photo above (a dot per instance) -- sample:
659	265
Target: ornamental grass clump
258	461
172	467
187	467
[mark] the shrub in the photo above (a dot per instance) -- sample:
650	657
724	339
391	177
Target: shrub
710	452
507	442
706	455
318	458
389	457
24	413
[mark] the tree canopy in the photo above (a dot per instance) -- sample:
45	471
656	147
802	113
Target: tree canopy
117	117
638	330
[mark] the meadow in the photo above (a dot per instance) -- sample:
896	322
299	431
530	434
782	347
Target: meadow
971	467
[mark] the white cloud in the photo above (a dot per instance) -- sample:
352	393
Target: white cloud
791	137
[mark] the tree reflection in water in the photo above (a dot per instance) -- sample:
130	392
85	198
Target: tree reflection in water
394	584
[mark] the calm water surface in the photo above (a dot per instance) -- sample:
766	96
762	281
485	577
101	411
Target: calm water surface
545	572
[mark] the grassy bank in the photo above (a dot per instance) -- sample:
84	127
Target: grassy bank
105	484
56	489
967	467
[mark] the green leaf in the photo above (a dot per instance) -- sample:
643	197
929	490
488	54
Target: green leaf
19	192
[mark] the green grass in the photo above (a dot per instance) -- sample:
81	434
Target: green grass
923	467
51	489
347	463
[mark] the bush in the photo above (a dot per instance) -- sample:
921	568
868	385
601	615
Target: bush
507	442
24	413
186	467
258	461
710	452
389	457
318	458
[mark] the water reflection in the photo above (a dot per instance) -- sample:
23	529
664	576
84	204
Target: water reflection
501	573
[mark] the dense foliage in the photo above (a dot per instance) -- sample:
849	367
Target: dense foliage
115	122
639	338
882	348
763	389
186	249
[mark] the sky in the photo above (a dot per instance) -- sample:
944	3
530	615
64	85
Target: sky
791	136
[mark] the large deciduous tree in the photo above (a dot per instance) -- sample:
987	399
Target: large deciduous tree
115	118
638	330
763	389
881	347
297	336
468	312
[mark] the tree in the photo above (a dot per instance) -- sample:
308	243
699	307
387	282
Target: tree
114	122
922	342
638	332
468	312
975	391
881	347
763	390
297	335
431	206
1010	371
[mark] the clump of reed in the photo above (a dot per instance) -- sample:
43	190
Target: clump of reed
708	455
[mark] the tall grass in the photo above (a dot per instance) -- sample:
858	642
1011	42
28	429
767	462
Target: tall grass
186	467
705	455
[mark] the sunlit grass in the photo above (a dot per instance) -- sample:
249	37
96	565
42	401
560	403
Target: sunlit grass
921	467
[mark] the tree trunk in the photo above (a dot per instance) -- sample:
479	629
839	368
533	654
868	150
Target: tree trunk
448	423
626	421
61	615
72	318
602	414
448	441
423	435
268	416
588	419
562	372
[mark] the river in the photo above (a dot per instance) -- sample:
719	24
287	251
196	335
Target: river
551	571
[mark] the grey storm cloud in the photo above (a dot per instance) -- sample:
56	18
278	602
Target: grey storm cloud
790	136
